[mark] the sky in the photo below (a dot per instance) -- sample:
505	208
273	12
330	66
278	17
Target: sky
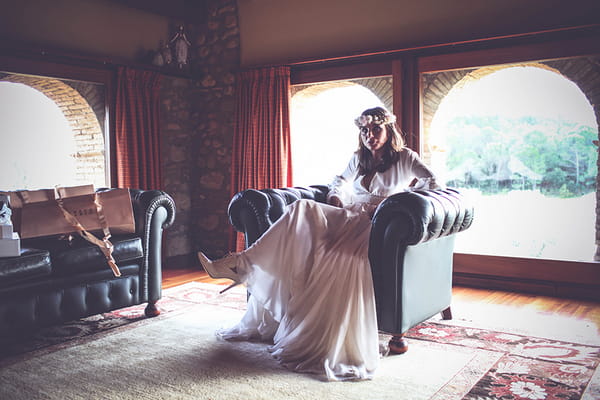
324	136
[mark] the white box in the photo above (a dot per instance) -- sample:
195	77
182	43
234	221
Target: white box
6	231
10	247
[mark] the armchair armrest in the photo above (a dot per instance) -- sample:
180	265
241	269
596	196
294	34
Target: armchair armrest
410	252
423	215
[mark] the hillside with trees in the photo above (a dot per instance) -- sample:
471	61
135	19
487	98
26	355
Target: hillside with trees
497	154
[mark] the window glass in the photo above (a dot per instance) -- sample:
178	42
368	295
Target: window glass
520	140
52	133
322	125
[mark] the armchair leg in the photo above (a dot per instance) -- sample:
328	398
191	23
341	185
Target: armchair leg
447	313
398	344
151	310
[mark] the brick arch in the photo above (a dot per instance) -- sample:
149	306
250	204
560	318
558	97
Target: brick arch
380	87
87	131
583	71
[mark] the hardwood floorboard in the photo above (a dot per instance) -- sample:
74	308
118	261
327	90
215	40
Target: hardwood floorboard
563	319
176	277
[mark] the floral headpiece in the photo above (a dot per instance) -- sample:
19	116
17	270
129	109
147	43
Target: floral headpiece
377	119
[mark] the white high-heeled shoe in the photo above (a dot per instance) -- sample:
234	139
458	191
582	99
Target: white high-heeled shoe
225	267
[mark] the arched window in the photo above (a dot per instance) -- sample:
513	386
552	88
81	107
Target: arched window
52	134
519	140
322	125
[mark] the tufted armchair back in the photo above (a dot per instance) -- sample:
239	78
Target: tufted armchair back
252	211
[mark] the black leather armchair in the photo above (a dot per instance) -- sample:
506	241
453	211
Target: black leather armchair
410	248
56	280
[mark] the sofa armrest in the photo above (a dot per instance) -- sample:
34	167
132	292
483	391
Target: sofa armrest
145	203
154	211
253	211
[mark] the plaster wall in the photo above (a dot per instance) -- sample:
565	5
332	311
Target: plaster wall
276	31
93	27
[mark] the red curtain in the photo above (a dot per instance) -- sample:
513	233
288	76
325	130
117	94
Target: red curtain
137	133
261	145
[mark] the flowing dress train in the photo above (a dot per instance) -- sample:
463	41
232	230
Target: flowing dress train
312	292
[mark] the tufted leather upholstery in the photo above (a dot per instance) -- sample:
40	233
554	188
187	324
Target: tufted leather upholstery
54	280
253	211
410	247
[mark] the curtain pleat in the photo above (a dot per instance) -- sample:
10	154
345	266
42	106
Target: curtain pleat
137	133
261	147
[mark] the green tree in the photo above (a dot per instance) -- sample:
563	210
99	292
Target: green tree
560	155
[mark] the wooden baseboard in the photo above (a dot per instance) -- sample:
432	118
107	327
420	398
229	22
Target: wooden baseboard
528	269
567	279
578	291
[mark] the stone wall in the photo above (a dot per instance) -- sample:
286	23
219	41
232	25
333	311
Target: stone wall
197	117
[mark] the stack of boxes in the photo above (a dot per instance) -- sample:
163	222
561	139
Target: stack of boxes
10	244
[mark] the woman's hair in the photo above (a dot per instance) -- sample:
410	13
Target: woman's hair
392	147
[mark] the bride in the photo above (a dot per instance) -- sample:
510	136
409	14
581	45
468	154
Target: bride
309	274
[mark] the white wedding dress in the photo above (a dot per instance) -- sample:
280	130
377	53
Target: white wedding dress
310	279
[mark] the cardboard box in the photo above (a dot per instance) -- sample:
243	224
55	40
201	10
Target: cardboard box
10	247
6	231
37	213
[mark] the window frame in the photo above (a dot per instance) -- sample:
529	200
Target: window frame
546	277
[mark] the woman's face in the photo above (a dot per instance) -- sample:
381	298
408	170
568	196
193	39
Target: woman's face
374	137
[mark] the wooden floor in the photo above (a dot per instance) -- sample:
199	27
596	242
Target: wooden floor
562	319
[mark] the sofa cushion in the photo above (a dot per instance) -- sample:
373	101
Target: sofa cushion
32	263
77	255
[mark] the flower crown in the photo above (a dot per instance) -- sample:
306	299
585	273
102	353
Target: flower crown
380	119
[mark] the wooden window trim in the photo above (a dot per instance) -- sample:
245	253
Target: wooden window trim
323	73
573	47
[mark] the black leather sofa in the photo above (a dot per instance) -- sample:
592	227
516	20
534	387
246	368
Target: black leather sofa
410	247
56	280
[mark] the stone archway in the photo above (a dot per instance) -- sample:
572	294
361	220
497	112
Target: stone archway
583	71
82	118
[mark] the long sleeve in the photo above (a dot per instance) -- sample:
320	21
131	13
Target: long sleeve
425	178
341	186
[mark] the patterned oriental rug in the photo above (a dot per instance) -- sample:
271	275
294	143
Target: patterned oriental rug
123	355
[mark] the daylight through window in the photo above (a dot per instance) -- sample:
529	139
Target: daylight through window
519	141
51	134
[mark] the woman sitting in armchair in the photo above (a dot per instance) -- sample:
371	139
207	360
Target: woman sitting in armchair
309	274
